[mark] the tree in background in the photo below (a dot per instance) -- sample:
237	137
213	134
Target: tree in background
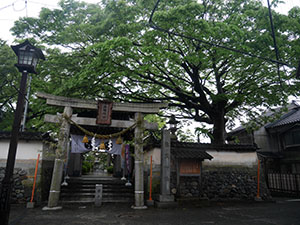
9	84
110	51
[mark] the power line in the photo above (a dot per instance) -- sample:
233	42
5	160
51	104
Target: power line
26	5
275	43
156	27
10	5
19	10
6	7
13	6
44	4
7	20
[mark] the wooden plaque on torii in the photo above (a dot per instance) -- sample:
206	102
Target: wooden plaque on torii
104	112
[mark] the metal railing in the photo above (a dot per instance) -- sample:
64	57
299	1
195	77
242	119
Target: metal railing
284	183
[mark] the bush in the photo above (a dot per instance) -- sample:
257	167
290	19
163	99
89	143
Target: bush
86	167
110	169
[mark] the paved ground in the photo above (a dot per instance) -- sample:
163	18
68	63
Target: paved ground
280	212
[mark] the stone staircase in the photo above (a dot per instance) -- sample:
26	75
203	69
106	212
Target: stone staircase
82	190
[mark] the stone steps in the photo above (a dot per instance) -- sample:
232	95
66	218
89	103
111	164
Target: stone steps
92	201
82	190
111	190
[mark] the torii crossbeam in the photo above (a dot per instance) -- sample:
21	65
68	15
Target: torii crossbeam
69	103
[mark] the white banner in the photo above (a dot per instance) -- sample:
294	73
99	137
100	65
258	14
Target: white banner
78	147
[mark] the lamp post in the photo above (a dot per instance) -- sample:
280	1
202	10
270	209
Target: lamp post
28	57
173	126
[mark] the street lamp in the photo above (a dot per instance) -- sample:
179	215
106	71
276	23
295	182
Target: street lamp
28	57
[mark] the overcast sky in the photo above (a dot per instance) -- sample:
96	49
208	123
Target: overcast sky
11	10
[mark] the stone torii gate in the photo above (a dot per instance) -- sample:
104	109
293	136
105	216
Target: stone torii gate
139	109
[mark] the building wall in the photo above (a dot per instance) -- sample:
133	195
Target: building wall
27	153
247	159
229	175
261	138
241	137
156	157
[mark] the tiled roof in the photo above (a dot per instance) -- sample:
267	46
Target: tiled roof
33	136
187	150
190	154
236	130
293	116
206	147
271	155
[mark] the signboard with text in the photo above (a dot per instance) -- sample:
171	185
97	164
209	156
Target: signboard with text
104	112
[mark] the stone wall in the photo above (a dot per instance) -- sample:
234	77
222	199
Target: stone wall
229	183
189	187
20	193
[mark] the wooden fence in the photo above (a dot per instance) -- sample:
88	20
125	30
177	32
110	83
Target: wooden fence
284	183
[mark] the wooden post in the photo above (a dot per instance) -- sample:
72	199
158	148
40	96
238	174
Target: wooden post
139	162
61	151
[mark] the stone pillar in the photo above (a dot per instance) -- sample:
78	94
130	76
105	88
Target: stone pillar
139	162
61	152
98	194
165	172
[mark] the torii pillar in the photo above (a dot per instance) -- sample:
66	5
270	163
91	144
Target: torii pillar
61	153
139	162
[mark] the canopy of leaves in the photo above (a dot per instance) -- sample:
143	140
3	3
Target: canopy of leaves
110	51
9	83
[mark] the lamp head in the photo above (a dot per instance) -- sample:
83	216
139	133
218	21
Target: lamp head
28	56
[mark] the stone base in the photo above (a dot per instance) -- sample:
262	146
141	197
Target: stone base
150	203
166	198
46	208
166	205
30	205
139	207
258	199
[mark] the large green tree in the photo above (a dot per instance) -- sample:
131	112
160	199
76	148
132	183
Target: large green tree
194	61
9	84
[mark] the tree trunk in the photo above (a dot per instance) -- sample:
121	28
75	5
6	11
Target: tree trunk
219	128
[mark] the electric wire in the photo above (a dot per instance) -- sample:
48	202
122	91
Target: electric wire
11	20
156	27
26	5
18	10
4	7
10	5
44	4
275	43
